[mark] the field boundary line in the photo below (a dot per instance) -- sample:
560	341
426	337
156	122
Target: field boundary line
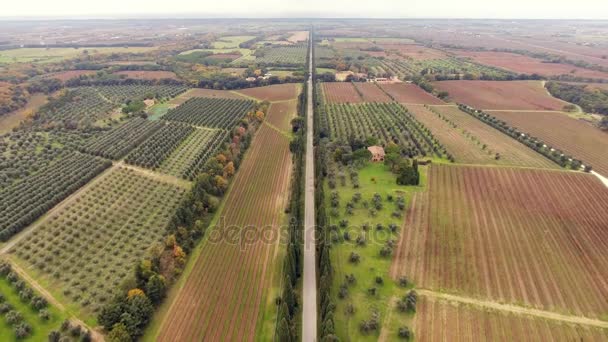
581	320
162	177
280	131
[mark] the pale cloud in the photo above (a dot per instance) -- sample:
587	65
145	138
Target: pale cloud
591	9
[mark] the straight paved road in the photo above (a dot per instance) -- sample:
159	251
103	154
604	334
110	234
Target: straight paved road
309	315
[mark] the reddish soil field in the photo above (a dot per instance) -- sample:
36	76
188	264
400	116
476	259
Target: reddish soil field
371	92
410	93
199	92
513	95
464	137
415	51
281	113
148	75
340	92
528	65
574	137
223	295
68	75
277	92
438	320
298	36
528	237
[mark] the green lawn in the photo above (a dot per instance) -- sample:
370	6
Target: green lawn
158	110
40	328
230	42
374	178
50	55
325	70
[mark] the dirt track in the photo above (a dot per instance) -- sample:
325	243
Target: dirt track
516	309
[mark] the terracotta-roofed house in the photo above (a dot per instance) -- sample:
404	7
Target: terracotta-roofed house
377	153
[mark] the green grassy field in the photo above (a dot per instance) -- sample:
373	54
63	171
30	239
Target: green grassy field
230	42
325	70
40	328
50	55
158	110
374	178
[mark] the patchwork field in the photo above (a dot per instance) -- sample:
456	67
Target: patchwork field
519	236
409	93
223	295
528	65
438	320
83	252
514	95
574	137
277	92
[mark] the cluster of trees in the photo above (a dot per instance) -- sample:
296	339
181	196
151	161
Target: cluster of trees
223	82
105	79
12	98
406	170
592	101
534	143
70	332
45	85
13	317
286	328
126	316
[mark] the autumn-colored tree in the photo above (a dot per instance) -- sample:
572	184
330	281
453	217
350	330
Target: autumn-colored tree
221	183
229	170
170	241
259	115
221	159
135	292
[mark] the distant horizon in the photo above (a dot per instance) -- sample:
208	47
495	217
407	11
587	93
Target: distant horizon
220	17
311	9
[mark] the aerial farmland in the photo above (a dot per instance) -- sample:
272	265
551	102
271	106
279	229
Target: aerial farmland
303	180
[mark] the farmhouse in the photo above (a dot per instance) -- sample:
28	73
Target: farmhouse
377	153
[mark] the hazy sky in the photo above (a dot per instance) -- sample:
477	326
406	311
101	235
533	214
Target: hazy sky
563	9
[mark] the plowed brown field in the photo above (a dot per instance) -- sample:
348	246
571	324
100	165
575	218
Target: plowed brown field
341	92
281	113
528	65
277	92
511	151
371	93
224	293
410	93
520	236
512	95
574	137
438	320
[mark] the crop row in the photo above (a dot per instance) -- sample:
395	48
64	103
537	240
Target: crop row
210	112
25	201
91	246
121	93
388	122
188	159
79	107
294	55
439	67
159	146
119	141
